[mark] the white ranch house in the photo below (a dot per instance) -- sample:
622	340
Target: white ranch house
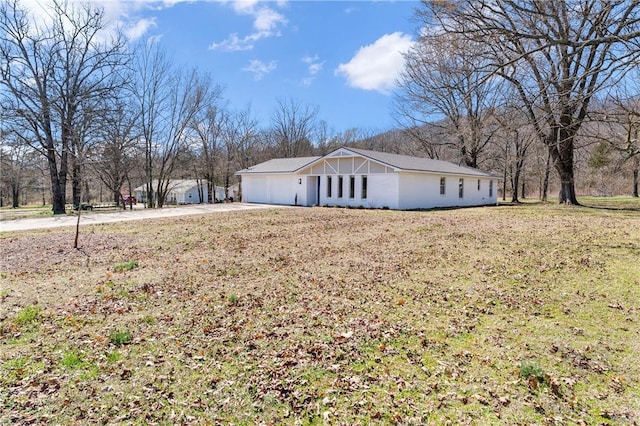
352	177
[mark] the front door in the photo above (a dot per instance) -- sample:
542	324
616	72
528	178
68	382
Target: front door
313	191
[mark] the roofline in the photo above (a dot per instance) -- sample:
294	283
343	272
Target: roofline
365	155
316	158
483	175
266	173
355	151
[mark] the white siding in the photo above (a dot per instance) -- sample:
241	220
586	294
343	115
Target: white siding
191	196
381	191
273	189
422	191
386	187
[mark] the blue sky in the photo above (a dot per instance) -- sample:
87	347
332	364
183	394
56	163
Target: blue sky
342	56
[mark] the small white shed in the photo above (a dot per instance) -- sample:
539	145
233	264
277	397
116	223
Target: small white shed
351	177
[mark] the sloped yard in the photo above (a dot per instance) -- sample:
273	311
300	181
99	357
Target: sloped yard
512	314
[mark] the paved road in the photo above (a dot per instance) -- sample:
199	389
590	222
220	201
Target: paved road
124	215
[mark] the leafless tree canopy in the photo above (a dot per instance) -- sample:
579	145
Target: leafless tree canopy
293	126
54	77
443	78
519	88
557	55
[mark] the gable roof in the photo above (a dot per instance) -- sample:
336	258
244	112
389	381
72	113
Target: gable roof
279	165
418	164
396	161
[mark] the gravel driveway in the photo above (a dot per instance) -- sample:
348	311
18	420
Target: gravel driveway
123	215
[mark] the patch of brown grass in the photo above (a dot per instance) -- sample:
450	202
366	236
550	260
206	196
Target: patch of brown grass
328	316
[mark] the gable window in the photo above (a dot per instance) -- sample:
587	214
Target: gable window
443	185
364	187
328	186
352	186
478	184
461	188
490	188
340	181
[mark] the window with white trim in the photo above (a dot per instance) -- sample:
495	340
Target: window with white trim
364	187
352	186
443	185
461	188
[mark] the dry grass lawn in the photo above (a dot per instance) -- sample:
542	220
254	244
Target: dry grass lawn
513	314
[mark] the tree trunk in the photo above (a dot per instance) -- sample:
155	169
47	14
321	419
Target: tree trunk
515	183
200	191
567	187
15	195
58	185
148	171
560	145
76	183
545	182
211	190
504	181
636	166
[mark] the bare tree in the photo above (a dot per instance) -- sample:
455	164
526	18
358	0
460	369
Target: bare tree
167	100
208	127
17	165
557	55
52	74
150	89
28	63
616	127
515	138
242	143
349	137
293	125
114	159
444	86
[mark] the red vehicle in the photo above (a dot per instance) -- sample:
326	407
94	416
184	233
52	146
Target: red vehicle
129	199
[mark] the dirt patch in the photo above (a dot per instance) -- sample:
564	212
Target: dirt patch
50	251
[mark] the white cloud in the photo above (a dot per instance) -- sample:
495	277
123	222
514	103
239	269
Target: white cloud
267	20
376	66
118	14
138	29
259	68
266	23
234	43
315	66
244	6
